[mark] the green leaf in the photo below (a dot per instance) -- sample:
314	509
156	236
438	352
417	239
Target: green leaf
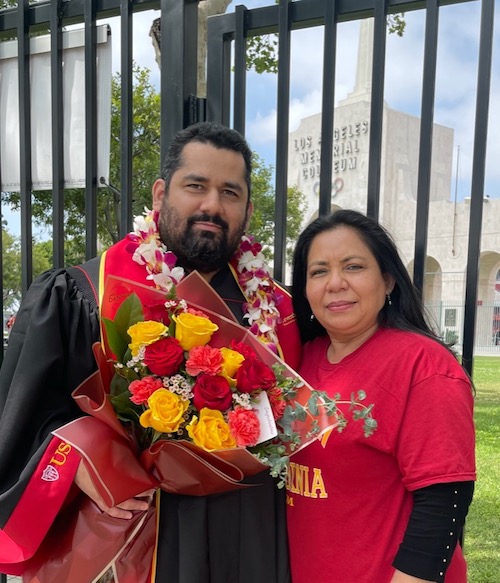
124	407
119	385
130	312
312	404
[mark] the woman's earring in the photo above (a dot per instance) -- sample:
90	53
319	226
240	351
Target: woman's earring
311	317
388	296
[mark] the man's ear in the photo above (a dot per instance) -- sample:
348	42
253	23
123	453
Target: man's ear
158	191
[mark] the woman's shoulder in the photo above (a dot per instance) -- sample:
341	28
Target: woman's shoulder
420	352
408	338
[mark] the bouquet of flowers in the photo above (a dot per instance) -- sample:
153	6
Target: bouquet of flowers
188	374
172	383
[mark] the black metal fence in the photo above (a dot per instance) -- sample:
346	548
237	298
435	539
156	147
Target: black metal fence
225	102
226	91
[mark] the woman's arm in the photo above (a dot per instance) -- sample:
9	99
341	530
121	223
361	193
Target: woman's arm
434	528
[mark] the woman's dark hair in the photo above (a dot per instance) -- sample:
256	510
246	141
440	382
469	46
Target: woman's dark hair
211	133
405	313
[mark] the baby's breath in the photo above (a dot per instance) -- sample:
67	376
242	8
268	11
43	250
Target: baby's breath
137	359
242	399
179	385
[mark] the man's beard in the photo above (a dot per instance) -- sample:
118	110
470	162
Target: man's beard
204	251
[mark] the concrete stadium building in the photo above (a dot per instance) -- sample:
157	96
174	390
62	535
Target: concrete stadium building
444	291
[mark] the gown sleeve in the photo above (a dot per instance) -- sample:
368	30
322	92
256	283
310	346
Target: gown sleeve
48	356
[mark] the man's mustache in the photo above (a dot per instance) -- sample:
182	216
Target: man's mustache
206	218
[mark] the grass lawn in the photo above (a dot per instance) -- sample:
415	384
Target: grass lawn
482	530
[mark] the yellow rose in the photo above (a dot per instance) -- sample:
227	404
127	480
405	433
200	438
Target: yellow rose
144	334
191	330
231	363
165	413
210	431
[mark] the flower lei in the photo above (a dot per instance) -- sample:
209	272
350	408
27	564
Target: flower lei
253	275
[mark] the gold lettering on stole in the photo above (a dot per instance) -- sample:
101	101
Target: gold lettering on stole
61	454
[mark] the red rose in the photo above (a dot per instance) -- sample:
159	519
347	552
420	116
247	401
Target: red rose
213	392
244	425
243	349
157	313
253	374
164	357
277	402
143	389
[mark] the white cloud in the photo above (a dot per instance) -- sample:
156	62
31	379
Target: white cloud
262	129
306	79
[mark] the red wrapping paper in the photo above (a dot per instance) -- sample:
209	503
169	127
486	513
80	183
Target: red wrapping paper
83	543
180	466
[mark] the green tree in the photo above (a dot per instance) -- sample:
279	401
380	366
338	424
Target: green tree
262	225
145	169
145	148
11	257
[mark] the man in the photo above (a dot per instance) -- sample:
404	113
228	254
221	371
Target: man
204	206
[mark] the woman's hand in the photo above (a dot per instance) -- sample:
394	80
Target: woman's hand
124	509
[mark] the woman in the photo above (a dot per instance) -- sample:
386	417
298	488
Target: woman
389	508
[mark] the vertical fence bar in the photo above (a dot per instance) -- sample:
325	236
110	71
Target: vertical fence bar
23	57
179	26
218	73
478	172
240	69
126	130
56	73
1	284
3	578
328	108
376	110
425	145
283	103
90	129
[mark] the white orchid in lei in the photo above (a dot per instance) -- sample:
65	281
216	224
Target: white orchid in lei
253	273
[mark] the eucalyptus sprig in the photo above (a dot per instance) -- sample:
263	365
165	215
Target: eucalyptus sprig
319	404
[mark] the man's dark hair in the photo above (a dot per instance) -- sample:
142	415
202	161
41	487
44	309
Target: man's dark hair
405	313
211	133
